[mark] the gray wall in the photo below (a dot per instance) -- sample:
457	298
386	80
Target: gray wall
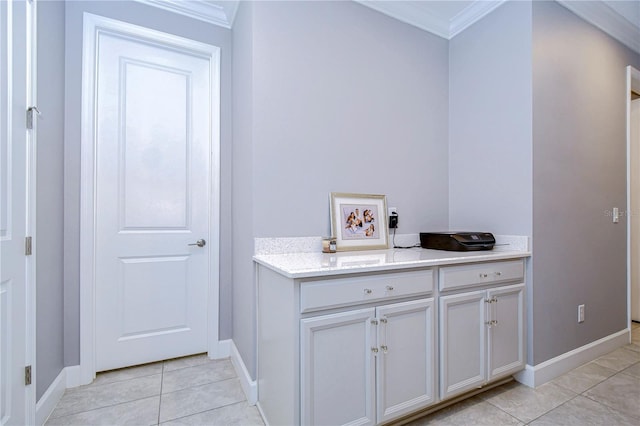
154	18
50	185
579	172
244	312
342	99
490	158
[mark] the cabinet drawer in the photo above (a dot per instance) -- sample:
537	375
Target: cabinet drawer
452	277
333	293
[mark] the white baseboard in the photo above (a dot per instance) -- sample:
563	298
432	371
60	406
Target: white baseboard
249	386
534	376
49	400
220	349
73	377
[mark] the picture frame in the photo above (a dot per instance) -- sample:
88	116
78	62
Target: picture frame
359	221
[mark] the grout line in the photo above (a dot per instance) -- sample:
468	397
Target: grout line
75	413
206	411
160	399
203	384
575	395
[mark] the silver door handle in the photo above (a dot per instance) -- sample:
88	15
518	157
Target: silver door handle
199	243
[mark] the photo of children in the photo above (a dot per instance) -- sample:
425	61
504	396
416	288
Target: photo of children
359	221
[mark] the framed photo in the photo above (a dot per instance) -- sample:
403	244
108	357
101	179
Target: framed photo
359	221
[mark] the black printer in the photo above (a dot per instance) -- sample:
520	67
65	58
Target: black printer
457	241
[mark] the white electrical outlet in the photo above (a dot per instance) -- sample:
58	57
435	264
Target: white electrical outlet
580	313
392	210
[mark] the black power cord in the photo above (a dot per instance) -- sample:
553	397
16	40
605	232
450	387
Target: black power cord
393	223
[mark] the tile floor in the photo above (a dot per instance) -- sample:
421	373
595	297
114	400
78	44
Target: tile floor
603	392
199	391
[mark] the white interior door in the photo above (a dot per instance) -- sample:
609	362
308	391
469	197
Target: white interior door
153	118
14	400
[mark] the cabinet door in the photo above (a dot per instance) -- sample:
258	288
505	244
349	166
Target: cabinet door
405	361
337	369
506	333
462	342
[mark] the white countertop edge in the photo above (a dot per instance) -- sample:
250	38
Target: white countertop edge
279	262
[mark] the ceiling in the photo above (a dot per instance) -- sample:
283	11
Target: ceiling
618	18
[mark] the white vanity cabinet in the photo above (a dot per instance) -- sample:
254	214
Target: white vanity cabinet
368	366
482	332
356	349
366	345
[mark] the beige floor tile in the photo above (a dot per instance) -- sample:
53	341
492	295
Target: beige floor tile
198	399
439	417
582	411
186	361
619	359
240	414
527	404
199	375
473	411
584	377
634	371
635	335
91	397
620	392
128	373
140	412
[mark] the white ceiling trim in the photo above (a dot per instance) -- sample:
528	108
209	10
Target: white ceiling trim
217	13
410	13
608	20
416	14
472	13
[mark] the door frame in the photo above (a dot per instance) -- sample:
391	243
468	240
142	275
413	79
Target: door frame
93	25
633	82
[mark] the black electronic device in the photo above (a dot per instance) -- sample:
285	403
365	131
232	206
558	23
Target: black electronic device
457	241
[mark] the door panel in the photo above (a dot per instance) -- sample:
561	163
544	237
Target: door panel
406	368
506	337
154	296
462	342
155	168
337	369
153	189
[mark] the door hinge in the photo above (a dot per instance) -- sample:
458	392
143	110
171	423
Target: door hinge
27	375
30	116
28	250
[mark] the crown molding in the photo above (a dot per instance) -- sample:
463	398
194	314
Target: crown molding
221	13
410	13
597	13
471	14
608	20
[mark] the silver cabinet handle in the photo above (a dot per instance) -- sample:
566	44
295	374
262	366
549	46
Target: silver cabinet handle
368	291
389	288
199	243
482	275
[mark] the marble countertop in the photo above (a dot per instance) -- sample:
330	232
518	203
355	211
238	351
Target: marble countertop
314	264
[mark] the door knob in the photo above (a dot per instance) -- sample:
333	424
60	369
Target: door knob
199	243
